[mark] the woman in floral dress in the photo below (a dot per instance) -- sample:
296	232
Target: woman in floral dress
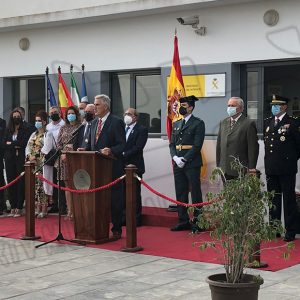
34	154
65	143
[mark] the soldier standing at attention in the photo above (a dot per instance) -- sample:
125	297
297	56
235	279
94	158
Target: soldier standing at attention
185	148
282	151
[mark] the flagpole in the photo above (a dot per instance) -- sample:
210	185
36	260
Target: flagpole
46	89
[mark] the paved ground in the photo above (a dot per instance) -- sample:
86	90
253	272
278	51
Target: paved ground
73	272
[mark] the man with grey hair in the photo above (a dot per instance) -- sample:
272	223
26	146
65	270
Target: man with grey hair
108	137
84	132
237	138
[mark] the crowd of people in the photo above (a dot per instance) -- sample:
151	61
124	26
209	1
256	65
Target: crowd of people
97	129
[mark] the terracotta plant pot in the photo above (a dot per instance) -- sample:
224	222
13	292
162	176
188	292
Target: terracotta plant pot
222	290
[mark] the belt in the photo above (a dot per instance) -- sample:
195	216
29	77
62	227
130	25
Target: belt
183	147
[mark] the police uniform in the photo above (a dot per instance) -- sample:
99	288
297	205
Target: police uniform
186	141
282	151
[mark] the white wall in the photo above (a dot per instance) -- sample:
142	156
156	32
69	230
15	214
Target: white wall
159	174
235	33
13	8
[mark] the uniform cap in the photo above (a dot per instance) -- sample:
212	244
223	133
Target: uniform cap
189	99
277	100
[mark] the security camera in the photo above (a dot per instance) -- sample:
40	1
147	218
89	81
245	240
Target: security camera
193	21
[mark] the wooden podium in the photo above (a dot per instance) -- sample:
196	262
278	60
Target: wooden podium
88	170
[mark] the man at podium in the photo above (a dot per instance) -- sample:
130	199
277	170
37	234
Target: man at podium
107	136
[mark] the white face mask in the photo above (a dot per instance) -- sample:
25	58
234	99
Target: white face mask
127	120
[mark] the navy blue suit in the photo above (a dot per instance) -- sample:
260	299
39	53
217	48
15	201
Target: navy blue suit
133	154
112	136
282	151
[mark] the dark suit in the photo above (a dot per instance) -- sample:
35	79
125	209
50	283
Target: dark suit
82	139
241	142
14	157
133	154
2	182
192	134
113	137
282	151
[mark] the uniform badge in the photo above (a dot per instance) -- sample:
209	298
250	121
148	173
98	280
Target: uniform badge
268	128
279	130
282	138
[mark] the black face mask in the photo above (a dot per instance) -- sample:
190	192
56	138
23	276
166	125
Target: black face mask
17	120
89	116
54	117
182	110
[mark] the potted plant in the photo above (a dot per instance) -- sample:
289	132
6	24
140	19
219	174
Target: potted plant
237	221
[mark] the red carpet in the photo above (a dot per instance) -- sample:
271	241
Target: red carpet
158	241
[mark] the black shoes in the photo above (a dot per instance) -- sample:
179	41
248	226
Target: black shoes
116	235
181	227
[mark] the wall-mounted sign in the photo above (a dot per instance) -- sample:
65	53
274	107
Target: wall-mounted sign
210	85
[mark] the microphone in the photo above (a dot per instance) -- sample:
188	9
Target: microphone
77	129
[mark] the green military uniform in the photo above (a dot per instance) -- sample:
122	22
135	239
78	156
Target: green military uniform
186	141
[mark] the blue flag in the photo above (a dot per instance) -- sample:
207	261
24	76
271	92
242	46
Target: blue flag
51	96
84	97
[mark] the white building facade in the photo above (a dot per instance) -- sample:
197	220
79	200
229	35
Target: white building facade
127	49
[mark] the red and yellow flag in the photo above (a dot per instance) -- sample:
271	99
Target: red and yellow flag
64	97
175	90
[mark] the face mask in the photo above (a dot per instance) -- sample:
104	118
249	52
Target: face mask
127	120
38	124
231	111
275	110
182	110
81	112
89	116
17	120
54	117
71	117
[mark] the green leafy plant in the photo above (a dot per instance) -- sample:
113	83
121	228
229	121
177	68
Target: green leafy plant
237	219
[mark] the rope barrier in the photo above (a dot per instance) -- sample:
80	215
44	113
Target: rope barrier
172	200
101	188
12	182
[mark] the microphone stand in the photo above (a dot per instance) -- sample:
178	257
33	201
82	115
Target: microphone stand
59	236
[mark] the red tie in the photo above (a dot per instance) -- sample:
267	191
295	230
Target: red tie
99	127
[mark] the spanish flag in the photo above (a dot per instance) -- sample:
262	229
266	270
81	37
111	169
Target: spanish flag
175	90
64	97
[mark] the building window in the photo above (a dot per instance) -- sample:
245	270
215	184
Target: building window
141	90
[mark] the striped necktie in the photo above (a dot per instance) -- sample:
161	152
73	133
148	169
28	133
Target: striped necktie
232	123
99	128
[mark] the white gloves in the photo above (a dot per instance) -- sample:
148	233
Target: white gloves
180	161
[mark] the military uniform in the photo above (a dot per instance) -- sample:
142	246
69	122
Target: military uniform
282	151
186	141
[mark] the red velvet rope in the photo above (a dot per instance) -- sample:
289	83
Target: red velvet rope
172	200
12	182
101	188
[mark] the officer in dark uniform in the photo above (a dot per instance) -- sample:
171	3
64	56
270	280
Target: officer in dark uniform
185	148
282	151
